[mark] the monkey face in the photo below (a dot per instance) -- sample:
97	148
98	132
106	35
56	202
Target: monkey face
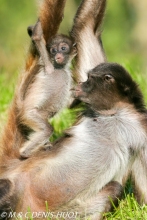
107	85
96	91
59	53
61	50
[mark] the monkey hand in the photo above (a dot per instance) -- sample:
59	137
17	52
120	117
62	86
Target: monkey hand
47	146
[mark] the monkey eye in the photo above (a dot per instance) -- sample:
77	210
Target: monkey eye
108	77
63	48
53	50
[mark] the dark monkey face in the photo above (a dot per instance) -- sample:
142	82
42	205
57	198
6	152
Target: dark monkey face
108	84
61	50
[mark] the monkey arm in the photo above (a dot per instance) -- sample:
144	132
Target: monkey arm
38	39
86	33
50	15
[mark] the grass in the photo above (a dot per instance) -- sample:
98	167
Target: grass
128	208
139	76
7	84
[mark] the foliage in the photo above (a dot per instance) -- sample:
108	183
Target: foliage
128	209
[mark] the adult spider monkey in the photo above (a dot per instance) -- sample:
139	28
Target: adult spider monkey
91	163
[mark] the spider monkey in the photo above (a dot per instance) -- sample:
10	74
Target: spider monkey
54	82
49	91
94	159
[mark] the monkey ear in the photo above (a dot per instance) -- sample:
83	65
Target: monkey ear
74	48
74	45
125	89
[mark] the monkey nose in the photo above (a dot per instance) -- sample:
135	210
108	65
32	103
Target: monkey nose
59	58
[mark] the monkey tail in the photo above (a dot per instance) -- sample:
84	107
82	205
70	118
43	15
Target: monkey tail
51	14
12	138
89	14
100	14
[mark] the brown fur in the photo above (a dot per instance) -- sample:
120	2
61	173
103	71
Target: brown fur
51	15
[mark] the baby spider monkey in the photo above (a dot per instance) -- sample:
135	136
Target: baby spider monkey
50	90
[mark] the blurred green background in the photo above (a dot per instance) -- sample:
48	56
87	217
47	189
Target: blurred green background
124	39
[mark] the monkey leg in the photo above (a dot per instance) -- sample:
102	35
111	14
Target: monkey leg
104	201
39	137
37	141
36	34
94	207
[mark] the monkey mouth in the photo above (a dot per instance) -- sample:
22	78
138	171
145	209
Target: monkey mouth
59	58
76	92
59	61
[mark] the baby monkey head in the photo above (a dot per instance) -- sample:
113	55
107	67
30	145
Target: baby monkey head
107	85
61	50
